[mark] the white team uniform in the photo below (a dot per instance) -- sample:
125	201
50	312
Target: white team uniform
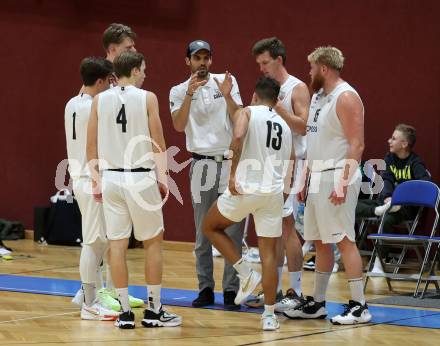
130	199
326	150
299	143
260	173
208	135
76	119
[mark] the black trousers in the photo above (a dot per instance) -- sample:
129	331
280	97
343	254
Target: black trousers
365	208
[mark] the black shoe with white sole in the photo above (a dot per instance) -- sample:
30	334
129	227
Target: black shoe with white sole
308	309
310	264
354	313
161	319
125	320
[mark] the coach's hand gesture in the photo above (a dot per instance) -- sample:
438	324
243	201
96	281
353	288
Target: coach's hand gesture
225	87
194	84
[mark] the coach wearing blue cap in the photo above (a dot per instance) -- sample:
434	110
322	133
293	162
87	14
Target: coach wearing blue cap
203	107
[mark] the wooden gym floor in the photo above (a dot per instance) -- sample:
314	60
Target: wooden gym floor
35	319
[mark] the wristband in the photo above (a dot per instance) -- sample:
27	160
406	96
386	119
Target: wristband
189	94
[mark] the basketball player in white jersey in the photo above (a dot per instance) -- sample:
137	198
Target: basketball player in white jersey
292	106
125	132
117	38
95	73
262	154
335	142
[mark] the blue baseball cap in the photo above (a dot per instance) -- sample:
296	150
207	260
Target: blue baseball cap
196	46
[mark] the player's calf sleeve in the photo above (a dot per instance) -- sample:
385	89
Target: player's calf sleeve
90	259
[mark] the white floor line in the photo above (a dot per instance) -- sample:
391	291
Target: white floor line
38	317
28	290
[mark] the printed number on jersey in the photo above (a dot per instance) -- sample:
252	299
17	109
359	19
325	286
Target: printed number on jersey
73	126
274	132
122	119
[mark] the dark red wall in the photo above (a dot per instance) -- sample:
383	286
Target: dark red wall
392	58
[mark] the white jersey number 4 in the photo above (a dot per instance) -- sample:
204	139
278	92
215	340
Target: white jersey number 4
122	118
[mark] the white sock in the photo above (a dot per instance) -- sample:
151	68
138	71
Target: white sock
295	282
357	290
380	210
321	283
89	293
280	278
154	297
269	310
108	277
123	298
242	268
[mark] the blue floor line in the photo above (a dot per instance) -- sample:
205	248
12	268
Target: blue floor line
178	297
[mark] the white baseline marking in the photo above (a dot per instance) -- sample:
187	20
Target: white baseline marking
38	317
